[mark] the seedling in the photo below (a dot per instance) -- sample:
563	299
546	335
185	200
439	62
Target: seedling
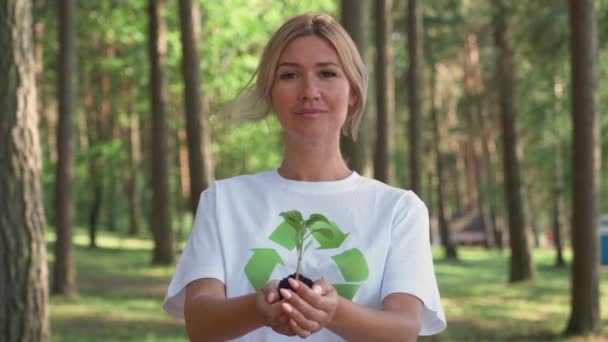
303	231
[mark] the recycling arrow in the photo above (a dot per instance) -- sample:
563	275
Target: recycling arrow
352	265
347	291
285	236
261	265
294	230
335	238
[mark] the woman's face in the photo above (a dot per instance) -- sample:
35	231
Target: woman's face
311	93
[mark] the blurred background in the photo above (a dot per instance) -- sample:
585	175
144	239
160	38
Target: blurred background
472	104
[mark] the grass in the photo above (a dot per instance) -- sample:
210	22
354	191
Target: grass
481	306
120	297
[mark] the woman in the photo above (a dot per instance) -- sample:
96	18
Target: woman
374	280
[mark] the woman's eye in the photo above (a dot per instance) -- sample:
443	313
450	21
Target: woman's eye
288	75
328	74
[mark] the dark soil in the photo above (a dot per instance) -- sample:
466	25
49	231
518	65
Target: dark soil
284	284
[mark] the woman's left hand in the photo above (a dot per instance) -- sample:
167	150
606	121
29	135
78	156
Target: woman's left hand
310	310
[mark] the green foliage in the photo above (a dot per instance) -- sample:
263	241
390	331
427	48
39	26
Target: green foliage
304	230
112	43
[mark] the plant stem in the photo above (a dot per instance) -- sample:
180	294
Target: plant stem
300	250
298	268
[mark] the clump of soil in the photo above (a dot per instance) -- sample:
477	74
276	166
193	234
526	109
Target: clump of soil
284	283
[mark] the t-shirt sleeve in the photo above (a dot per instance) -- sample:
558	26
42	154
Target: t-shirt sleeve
409	265
201	258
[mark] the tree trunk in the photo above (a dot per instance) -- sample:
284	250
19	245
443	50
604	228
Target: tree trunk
459	172
558	208
106	129
354	17
182	201
444	229
92	131
414	37
23	261
160	219
488	153
201	174
133	182
94	163
64	275
558	186
46	104
586	156
473	86
385	97
521	267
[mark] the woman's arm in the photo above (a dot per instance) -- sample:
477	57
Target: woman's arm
210	316
312	309
399	319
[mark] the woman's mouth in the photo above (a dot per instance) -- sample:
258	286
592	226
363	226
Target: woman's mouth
310	113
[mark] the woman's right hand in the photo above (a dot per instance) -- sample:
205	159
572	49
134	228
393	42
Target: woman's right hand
269	307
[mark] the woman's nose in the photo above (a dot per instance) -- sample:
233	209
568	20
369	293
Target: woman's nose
309	89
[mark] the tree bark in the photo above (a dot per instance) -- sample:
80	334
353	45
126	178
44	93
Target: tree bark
93	132
521	267
415	86
106	128
385	96
133	181
586	159
558	186
354	17
558	208
64	275
23	260
160	220
201	174
460	200
473	86
488	156
444	229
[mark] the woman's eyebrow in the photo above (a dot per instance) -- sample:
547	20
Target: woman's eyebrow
320	64
324	64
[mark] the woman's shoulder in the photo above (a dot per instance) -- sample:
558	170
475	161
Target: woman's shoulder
243	181
400	199
389	190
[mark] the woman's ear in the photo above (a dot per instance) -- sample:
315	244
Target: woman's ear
352	98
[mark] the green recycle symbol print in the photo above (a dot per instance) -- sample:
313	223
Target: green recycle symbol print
351	263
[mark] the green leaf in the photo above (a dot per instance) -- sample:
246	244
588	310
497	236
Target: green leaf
294	218
314	218
292	215
325	241
326	232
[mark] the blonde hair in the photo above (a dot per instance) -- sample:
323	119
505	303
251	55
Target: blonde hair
325	27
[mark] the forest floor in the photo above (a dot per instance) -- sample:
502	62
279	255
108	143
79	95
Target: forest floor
480	305
121	293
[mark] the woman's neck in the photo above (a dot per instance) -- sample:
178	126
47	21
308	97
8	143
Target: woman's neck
313	162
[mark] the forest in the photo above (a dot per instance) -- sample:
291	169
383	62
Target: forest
115	115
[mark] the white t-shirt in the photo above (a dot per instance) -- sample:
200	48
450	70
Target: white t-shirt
380	243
